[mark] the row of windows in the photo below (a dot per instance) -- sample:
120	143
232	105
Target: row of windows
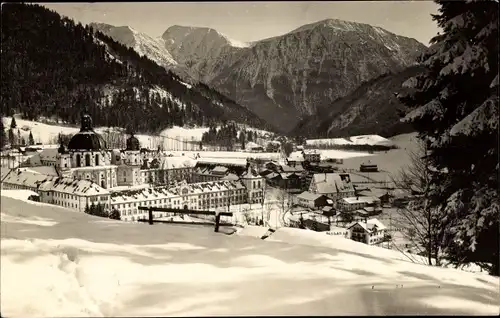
201	206
234	197
87	160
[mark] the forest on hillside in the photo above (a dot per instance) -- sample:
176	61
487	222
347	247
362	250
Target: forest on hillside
54	67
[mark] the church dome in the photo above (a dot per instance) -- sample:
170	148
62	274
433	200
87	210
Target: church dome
133	143
87	138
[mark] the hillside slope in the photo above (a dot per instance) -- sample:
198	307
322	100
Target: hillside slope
97	267
372	108
52	66
284	78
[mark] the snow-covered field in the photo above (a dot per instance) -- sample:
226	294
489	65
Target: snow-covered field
171	137
56	262
354	140
391	161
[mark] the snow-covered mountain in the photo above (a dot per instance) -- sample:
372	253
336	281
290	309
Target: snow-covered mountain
144	45
200	49
285	77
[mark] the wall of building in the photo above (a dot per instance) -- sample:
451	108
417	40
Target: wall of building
194	201
105	177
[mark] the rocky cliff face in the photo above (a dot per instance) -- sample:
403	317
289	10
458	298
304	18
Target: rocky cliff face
372	108
287	77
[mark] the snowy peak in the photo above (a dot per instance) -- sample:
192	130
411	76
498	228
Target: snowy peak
179	34
142	43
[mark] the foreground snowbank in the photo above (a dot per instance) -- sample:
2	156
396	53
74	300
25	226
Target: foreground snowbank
78	265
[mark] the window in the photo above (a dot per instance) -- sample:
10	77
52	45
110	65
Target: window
97	159
87	160
78	160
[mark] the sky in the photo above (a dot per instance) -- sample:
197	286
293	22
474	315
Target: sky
251	21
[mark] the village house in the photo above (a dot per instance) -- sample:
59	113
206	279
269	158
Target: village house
332	185
383	195
295	158
370	232
312	200
355	203
311	155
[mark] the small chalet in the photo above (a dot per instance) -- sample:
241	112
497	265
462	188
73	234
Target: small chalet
312	156
312	200
356	203
332	185
382	195
370	232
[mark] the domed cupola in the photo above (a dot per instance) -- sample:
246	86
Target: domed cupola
87	138
133	143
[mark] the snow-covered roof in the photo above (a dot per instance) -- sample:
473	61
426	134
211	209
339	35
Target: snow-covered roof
296	156
174	192
370	225
48	154
26	178
306	195
223	161
250	174
367	200
373	193
231	177
73	186
177	162
220	169
332	182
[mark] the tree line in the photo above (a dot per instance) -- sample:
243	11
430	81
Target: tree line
227	136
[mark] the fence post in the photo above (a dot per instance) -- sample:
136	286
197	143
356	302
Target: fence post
217	220
150	216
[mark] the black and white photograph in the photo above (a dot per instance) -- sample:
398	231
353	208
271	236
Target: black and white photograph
252	158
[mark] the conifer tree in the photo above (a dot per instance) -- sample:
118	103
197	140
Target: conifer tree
3	137
12	140
31	140
243	139
454	107
13	124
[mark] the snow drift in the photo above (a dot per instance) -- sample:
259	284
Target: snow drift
79	265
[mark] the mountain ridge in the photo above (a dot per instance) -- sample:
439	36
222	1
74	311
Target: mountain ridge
373	108
286	77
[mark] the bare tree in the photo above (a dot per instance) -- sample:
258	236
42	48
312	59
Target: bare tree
420	222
